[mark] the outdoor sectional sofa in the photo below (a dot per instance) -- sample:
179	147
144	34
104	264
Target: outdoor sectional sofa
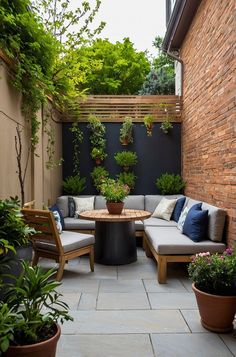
162	239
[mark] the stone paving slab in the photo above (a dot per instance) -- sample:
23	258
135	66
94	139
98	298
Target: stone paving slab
185	345
135	321
192	318
72	300
172	300
122	301
230	340
173	285
88	301
138	270
121	286
105	345
74	284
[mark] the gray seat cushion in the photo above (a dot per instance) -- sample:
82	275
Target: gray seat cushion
170	241
77	223
158	222
70	241
151	201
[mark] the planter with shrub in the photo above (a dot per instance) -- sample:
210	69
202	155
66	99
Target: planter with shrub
170	184
126	159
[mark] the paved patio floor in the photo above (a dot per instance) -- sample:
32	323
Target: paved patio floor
123	311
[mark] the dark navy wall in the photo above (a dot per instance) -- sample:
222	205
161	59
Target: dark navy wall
157	154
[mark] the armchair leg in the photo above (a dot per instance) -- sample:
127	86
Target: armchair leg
60	271
35	259
91	258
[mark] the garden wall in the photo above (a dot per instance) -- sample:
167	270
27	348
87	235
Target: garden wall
209	125
41	184
157	154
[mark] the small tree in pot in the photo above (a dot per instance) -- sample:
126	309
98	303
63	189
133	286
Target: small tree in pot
114	193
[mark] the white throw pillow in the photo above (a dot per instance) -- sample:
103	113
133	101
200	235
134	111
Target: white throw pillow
58	221
182	218
164	209
83	204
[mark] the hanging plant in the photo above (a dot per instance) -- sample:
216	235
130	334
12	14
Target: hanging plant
126	131
76	142
148	122
166	125
97	137
127	178
98	155
99	175
126	159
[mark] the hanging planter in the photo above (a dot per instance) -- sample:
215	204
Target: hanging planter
126	131
98	155
126	159
148	122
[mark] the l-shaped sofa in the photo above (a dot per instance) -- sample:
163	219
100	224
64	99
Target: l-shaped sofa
162	240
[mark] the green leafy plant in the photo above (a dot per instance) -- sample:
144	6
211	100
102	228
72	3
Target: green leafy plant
99	175
32	308
98	154
214	273
76	142
114	191
148	122
74	185
127	178
126	131
169	184
126	158
97	133
13	230
166	125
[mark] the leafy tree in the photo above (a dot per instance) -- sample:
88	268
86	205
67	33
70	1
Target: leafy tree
112	68
161	78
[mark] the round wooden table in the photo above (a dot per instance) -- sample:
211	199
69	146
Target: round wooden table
115	242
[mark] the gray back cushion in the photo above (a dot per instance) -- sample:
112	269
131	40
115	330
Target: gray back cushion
134	202
151	201
62	203
100	202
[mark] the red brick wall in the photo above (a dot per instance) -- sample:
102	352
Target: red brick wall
209	121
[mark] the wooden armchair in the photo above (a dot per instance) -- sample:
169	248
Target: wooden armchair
48	243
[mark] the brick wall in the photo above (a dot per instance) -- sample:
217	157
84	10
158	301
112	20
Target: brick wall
209	121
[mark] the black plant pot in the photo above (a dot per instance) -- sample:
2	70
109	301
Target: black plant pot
11	265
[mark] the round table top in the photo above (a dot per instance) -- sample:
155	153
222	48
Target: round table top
104	216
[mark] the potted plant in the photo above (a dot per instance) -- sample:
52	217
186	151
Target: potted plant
126	131
214	285
114	193
98	155
170	184
126	159
97	133
148	122
99	174
74	185
166	124
127	178
30	314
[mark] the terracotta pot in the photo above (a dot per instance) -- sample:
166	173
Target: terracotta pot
125	142
115	207
98	161
126	168
41	349
217	312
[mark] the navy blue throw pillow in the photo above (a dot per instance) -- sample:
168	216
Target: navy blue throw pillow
71	206
178	208
56	208
195	225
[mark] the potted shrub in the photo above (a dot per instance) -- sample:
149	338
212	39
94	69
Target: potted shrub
170	184
214	285
74	185
98	155
30	314
126	159
114	193
97	133
166	125
14	238
99	174
127	178
148	122
126	131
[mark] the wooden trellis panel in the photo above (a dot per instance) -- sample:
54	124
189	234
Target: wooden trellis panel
114	108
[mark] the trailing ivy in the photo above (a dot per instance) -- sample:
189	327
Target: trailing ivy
76	141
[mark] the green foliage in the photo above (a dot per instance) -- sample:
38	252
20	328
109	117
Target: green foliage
97	133
74	185
126	131
161	78
214	273
13	230
112	68
126	158
76	142
148	122
98	154
33	307
99	175
166	125
8	319
170	184
127	178
114	191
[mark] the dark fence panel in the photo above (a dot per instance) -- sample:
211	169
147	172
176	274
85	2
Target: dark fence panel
157	154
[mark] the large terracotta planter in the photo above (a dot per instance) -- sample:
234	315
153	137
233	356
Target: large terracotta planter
42	349
217	312
115	207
